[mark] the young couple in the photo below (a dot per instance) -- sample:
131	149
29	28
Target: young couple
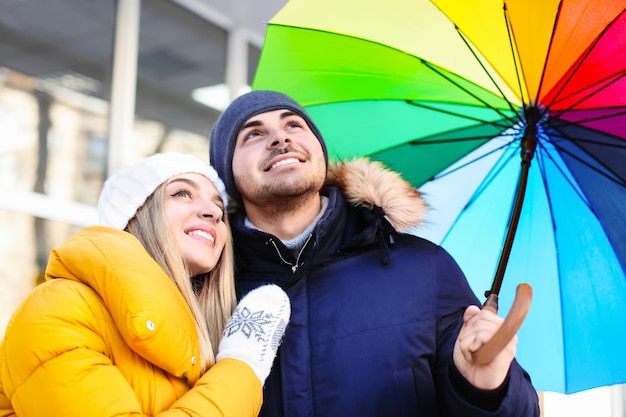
136	316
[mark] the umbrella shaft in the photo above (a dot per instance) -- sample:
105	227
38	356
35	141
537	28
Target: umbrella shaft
529	143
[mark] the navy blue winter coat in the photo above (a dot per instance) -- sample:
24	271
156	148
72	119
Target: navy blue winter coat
375	315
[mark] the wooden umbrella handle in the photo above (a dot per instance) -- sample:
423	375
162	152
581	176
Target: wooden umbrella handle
487	352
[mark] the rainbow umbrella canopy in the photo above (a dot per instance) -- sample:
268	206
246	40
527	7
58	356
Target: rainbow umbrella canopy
455	95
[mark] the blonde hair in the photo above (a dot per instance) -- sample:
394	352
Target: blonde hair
211	297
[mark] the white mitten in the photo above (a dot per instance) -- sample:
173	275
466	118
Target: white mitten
256	328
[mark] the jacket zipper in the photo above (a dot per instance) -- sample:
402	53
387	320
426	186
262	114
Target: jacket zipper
294	267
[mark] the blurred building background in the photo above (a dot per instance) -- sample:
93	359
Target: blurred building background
88	85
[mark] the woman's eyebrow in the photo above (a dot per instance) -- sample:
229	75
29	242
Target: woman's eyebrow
189	182
217	199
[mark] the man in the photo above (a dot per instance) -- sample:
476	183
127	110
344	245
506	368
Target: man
380	321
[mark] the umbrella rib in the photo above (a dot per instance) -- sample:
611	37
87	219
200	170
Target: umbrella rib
441	74
576	190
489	178
473	52
545	63
478	158
511	45
596	118
572	139
594	142
590	94
484	185
451	140
613	177
544	178
476	119
607	81
584	58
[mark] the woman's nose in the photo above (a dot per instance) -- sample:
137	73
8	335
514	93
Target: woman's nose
211	211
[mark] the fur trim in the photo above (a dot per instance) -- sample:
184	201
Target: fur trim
370	183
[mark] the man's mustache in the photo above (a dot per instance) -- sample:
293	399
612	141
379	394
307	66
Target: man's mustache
277	152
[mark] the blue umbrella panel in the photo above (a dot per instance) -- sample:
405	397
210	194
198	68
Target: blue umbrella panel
570	246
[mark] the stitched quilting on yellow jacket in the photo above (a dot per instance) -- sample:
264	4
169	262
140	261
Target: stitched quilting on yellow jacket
109	334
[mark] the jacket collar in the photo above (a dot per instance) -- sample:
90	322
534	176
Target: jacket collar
369	184
148	309
366	202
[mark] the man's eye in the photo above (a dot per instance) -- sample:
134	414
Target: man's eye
253	134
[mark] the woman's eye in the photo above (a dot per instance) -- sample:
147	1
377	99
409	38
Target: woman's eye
182	193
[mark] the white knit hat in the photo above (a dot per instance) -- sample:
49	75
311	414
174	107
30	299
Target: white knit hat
127	189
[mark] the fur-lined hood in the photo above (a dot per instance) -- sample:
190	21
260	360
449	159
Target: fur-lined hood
371	184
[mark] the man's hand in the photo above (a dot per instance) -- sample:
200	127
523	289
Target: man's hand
478	328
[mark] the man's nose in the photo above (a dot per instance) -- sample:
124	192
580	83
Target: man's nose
278	137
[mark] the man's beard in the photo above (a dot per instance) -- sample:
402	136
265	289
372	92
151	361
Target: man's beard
288	193
280	196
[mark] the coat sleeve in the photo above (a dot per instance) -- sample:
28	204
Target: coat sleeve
59	364
6	410
454	295
230	380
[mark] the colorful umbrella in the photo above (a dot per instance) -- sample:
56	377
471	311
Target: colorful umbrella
450	93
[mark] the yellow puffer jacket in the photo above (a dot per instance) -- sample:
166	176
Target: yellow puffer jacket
109	334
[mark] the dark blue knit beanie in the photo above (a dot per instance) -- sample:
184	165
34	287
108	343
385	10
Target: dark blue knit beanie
226	129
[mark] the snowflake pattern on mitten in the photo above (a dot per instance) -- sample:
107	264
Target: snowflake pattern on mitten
250	323
255	330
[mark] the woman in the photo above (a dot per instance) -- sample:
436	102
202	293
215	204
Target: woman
133	318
